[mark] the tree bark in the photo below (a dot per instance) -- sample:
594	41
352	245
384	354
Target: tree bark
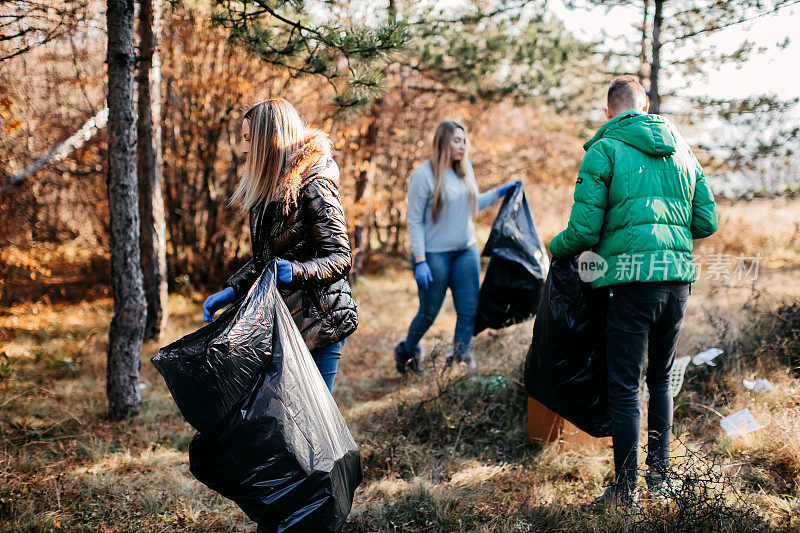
150	161
127	326
643	53
655	65
369	144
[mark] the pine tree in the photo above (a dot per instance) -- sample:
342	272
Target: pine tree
150	161
674	44
482	53
673	38
127	326
350	57
506	49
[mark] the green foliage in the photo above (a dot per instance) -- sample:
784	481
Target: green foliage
64	363
508	50
489	51
769	126
349	56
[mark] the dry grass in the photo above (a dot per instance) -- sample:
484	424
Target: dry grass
762	226
441	453
426	436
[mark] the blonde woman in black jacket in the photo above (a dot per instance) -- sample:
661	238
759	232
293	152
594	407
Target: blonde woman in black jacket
290	188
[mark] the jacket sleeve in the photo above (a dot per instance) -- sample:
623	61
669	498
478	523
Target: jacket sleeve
589	208
243	279
419	194
704	210
325	216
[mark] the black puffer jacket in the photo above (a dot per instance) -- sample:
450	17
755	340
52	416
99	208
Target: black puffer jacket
307	228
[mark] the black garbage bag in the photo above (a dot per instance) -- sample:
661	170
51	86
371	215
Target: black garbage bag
283	453
565	368
209	371
518	266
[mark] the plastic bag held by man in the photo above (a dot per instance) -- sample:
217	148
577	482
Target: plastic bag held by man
566	365
283	453
517	268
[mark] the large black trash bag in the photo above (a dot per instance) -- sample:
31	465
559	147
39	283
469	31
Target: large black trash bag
283	453
518	266
209	371
566	364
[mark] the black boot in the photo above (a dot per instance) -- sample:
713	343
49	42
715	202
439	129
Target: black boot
405	360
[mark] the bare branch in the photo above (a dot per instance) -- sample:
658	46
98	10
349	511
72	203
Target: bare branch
711	28
62	150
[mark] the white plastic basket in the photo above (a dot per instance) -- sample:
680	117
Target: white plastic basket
675	377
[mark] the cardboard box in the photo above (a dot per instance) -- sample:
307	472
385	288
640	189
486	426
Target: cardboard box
545	426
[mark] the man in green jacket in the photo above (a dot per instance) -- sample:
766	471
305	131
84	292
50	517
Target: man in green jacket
640	199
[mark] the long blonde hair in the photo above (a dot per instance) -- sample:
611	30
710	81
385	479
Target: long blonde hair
276	131
440	161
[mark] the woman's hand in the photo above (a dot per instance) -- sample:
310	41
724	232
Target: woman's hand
217	301
284	269
422	275
505	188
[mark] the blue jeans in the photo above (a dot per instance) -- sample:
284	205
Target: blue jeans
643	323
461	272
327	361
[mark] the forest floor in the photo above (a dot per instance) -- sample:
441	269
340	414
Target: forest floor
441	452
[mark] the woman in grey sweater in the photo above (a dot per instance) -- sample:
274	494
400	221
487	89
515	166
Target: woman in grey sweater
443	199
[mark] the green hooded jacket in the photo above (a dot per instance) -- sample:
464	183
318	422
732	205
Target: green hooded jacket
640	199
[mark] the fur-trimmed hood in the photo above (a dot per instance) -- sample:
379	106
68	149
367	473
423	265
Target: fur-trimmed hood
313	160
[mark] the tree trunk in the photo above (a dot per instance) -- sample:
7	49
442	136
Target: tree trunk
151	200
655	65
369	144
643	52
127	326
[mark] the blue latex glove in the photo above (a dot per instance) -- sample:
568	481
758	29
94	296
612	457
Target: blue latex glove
217	301
284	268
422	275
505	188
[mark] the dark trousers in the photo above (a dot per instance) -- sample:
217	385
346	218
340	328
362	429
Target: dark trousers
643	319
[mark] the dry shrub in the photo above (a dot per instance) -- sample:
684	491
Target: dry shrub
457	416
703	493
783	465
782	337
476	416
